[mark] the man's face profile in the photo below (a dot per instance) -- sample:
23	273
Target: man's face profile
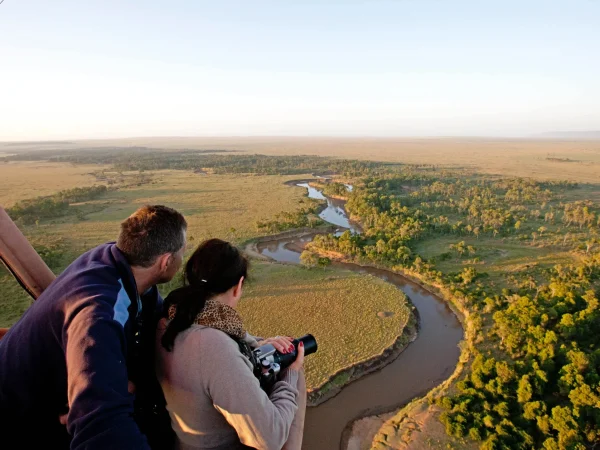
174	263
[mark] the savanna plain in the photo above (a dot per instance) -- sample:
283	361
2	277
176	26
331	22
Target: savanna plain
506	231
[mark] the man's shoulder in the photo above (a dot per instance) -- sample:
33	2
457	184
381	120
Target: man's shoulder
91	284
87	291
98	262
94	272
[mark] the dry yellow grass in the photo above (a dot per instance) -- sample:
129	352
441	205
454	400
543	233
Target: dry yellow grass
512	157
23	180
338	307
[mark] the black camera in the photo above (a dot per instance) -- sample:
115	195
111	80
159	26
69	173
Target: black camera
268	362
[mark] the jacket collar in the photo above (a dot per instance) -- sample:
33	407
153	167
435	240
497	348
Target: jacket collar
124	270
150	298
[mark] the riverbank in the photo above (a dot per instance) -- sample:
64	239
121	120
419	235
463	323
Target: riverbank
397	430
422	414
251	246
343	377
346	376
319	185
334	211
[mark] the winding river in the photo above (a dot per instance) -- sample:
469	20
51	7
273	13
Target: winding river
425	363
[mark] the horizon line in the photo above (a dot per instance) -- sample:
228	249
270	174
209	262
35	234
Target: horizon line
568	135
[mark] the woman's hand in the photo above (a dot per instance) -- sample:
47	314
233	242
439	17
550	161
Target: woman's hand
283	344
299	363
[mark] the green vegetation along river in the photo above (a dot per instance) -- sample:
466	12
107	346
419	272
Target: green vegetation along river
425	363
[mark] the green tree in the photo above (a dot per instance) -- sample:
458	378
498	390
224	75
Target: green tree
525	391
459	248
309	259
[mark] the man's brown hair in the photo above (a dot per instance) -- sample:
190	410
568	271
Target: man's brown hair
151	231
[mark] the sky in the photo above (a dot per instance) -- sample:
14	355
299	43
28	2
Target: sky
107	69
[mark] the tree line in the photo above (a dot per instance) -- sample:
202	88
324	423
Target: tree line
546	393
53	206
218	161
535	380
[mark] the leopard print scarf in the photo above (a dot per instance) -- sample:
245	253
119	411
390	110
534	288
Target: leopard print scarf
220	316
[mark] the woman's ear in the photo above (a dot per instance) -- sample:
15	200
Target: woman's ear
237	292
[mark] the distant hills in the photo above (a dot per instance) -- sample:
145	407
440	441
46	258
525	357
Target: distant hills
570	135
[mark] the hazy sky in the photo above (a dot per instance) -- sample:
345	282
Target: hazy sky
109	68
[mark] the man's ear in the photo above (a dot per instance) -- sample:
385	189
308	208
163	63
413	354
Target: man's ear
163	262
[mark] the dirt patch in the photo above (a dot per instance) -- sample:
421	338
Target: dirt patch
419	429
296	182
297	247
360	435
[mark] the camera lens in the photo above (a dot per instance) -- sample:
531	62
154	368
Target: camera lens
310	344
286	359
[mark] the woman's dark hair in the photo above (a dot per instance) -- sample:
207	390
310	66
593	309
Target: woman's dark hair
215	267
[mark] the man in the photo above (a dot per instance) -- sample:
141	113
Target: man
70	365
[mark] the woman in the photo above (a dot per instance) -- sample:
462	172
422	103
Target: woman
213	397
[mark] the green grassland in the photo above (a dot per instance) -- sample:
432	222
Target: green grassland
499	258
510	258
223	206
338	307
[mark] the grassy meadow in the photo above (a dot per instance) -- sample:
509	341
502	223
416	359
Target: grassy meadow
498	258
223	206
519	255
24	180
338	307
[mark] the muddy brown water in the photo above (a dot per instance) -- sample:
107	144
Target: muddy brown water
425	363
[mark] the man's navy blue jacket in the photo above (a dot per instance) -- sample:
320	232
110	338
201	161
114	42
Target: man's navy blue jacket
73	353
